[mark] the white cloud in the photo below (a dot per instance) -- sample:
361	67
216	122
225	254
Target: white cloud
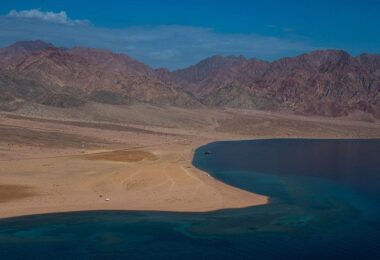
60	17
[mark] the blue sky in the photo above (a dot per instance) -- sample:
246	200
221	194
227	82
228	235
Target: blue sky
175	34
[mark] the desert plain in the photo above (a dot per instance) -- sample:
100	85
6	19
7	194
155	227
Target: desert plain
138	157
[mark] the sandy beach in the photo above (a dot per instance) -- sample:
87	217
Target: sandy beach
84	161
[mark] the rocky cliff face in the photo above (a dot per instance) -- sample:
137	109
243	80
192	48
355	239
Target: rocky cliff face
327	83
86	75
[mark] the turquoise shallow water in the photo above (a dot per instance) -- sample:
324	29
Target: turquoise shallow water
325	204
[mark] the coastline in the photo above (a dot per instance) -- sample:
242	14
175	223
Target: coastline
50	171
180	187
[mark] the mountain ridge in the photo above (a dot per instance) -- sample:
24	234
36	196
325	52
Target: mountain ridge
92	75
322	82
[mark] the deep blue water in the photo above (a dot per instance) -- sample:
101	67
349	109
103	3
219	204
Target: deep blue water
325	204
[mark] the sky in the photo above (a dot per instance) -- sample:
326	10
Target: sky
176	34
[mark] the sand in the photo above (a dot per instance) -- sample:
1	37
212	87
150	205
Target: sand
75	164
15	192
157	179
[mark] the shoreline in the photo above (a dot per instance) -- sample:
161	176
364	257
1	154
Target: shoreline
48	213
259	200
49	158
214	196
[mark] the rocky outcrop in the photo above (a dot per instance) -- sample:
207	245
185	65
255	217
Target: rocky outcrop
327	83
94	75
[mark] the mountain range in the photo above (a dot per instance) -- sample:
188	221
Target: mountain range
324	82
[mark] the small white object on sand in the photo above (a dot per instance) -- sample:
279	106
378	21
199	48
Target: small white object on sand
108	199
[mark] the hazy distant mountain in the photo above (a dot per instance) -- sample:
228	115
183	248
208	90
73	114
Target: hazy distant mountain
215	71
329	83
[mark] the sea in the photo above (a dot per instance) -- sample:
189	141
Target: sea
324	204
